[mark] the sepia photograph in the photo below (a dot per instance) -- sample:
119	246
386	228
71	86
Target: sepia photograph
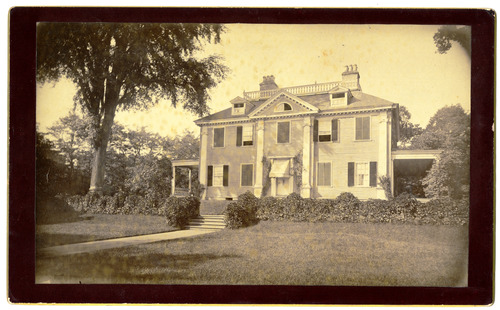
253	154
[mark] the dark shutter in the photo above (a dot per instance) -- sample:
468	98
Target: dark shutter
210	172
335	130
225	177
350	174
366	127
315	130
373	173
359	128
239	136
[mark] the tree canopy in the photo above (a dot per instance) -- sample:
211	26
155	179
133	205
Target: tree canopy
448	33
448	130
407	130
128	66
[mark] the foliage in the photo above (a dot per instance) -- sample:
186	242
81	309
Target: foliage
449	130
128	66
407	130
385	182
179	210
346	208
448	33
266	164
297	169
242	213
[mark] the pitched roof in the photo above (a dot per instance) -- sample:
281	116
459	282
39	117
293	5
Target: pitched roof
358	101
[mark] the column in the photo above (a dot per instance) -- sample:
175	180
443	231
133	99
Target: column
258	158
306	158
203	160
383	151
173	181
189	182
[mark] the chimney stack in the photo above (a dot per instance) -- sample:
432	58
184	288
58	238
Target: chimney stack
268	83
350	77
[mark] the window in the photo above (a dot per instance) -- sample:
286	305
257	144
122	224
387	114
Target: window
363	128
326	130
324	174
283	107
244	135
338	95
238	109
283	132
218	175
219	137
247	175
362	174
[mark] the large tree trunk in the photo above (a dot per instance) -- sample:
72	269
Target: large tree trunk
99	162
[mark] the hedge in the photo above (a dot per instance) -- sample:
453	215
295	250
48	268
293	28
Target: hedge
177	210
346	208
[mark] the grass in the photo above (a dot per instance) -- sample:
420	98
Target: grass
281	253
83	228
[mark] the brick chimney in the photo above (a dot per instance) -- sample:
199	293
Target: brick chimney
268	83
350	77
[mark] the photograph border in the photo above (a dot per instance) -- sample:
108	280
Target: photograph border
21	186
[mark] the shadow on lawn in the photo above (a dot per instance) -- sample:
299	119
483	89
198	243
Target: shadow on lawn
53	210
117	267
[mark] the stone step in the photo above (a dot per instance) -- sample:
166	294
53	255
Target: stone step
211	222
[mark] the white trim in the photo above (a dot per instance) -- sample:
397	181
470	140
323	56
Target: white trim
223	137
289	132
369	127
241	174
233	111
317	173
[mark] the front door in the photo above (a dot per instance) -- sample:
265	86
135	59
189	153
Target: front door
282	186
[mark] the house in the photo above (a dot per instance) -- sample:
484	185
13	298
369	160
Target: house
318	140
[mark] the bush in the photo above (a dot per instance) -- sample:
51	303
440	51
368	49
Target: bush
269	208
243	212
179	210
236	216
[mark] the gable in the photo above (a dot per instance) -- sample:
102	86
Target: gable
283	104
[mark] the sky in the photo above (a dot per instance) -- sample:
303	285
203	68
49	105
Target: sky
398	63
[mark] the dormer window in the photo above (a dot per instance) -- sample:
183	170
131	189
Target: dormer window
283	107
238	109
339	98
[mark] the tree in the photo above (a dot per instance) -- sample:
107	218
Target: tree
407	130
448	130
128	66
70	137
448	33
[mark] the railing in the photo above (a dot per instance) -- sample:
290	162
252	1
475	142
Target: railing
310	89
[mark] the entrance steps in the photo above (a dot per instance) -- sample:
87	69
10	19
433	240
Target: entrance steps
207	222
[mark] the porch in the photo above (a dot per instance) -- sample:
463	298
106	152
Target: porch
187	165
408	168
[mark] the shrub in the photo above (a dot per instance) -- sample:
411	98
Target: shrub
269	208
346	207
236	215
179	210
250	203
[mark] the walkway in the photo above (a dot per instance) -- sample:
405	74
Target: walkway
92	246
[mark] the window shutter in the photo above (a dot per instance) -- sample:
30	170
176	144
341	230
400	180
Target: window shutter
359	128
373	173
210	171
366	127
315	130
239	135
225	177
350	174
335	130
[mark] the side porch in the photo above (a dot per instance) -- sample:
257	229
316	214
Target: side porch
181	186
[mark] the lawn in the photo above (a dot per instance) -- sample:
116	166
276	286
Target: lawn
281	253
91	227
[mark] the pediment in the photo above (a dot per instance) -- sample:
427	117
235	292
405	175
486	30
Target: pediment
282	104
339	89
